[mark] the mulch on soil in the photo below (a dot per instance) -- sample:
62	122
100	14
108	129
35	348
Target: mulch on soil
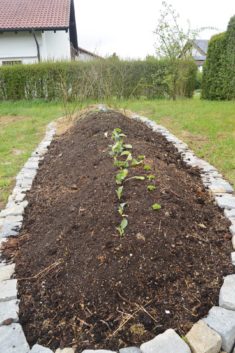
80	283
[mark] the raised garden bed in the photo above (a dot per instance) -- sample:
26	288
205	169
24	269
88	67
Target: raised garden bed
80	283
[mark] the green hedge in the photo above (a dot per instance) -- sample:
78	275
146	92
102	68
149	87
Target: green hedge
218	81
97	79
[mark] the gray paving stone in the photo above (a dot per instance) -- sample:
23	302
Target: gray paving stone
202	339
166	342
37	348
19	197
6	272
232	229
226	201
223	322
8	290
233	242
10	229
26	174
96	351
16	210
9	310
31	164
227	293
220	186
230	213
130	350
12	339
233	260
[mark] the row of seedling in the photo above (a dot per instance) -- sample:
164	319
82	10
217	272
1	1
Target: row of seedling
123	160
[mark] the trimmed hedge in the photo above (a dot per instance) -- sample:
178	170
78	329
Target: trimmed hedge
218	81
99	79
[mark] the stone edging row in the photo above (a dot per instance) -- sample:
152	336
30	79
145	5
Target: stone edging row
209	335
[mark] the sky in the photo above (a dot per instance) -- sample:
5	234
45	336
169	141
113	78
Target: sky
126	26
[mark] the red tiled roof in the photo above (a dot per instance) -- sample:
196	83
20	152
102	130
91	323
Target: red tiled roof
34	14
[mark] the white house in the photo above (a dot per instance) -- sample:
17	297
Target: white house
38	30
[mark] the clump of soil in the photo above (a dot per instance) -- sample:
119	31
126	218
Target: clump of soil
80	283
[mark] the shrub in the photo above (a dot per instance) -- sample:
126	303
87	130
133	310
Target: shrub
100	79
218	81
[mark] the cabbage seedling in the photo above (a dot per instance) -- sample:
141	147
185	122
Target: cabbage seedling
119	192
121	208
121	228
156	206
147	167
135	162
141	157
151	187
121	176
151	177
136	177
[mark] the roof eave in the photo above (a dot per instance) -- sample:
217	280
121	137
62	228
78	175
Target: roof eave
30	29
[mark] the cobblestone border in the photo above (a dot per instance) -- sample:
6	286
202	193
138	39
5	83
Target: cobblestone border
209	335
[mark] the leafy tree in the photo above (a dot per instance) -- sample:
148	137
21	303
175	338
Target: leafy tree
172	43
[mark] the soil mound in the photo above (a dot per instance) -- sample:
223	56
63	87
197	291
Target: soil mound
82	284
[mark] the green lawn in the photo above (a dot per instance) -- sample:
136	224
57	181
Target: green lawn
208	128
22	126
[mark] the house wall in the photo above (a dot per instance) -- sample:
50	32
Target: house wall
56	45
21	46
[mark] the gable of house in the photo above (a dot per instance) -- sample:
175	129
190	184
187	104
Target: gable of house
199	49
31	30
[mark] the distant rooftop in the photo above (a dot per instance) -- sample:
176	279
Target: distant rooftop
34	14
201	45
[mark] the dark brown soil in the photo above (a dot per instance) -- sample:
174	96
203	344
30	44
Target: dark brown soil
83	285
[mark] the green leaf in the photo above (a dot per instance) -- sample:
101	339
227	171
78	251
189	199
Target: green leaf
151	187
137	177
121	176
147	167
121	228
128	146
119	192
125	153
121	164
156	206
151	177
121	208
141	157
117	148
135	162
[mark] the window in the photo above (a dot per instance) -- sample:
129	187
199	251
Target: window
12	62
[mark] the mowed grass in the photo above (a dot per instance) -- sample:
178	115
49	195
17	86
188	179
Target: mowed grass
207	127
22	126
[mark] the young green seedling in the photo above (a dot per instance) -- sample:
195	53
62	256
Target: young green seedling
151	187
121	164
141	157
119	192
128	146
117	134
151	177
121	208
121	228
136	177
147	167
156	206
135	162
121	176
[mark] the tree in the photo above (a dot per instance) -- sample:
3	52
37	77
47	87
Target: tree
172	42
